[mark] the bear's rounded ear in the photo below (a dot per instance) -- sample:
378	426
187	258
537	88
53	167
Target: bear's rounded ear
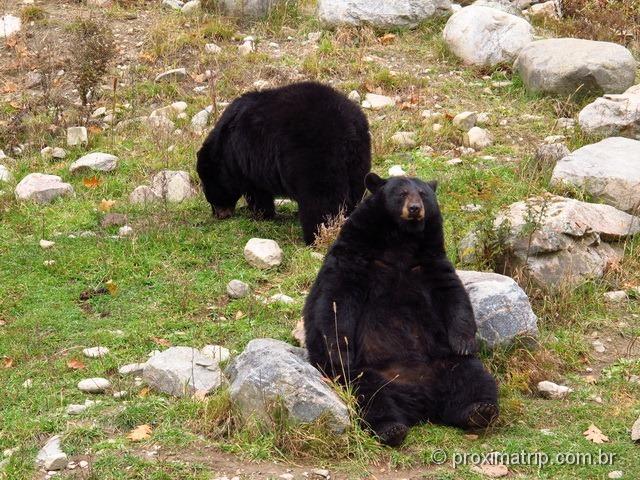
433	184
373	182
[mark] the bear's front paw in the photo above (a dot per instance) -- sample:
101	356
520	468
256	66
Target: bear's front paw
392	434
463	344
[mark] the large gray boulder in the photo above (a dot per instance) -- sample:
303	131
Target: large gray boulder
250	8
270	372
556	241
613	114
485	36
380	13
42	188
502	309
182	371
564	65
608	170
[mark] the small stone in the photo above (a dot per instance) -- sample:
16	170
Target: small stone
51	457
551	153
94	385
263	253
191	7
317	255
5	174
28	383
454	161
125	231
237	289
471	207
173	185
99	112
95	352
565	124
465	121
173	4
176	74
373	101
551	139
143	195
635	430
131	369
77	136
477	138
287	476
314	37
615	297
321	472
49	263
432	116
46	153
552	390
58	152
75	409
96	161
9	25
354	96
598	346
120	394
246	48
548	10
436	127
83	464
281	298
46	244
397	171
615	474
113	220
212	48
182	371
404	139
200	121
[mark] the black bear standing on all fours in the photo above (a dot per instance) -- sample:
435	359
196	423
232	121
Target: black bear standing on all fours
305	141
388	315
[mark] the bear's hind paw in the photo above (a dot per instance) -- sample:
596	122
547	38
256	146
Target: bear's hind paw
481	415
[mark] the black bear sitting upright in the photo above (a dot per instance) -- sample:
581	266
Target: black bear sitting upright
305	141
388	315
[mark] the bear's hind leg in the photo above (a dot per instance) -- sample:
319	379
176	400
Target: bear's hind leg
261	203
471	393
380	410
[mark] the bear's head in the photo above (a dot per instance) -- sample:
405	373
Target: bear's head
409	202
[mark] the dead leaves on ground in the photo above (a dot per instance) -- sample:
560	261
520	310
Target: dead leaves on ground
7	362
595	435
106	205
141	432
91	182
76	364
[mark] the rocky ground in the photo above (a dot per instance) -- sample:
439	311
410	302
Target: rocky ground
140	338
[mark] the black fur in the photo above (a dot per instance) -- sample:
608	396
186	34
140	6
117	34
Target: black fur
388	315
304	141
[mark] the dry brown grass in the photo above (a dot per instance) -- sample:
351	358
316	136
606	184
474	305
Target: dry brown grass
328	231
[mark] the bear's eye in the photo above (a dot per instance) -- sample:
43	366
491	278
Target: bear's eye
421	191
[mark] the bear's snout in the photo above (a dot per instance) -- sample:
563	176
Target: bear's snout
413	208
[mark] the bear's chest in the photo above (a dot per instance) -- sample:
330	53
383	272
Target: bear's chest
400	321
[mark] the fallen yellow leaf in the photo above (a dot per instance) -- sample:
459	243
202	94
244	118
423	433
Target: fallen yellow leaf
7	362
91	182
112	287
141	432
595	435
106	205
75	364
